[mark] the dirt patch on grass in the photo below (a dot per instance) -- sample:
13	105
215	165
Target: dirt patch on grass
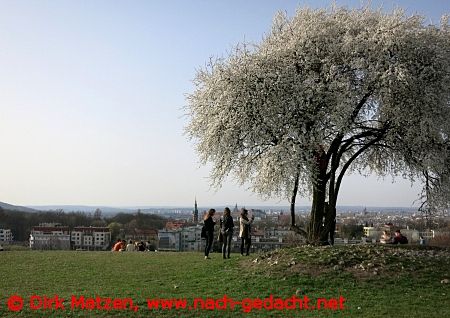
307	269
361	261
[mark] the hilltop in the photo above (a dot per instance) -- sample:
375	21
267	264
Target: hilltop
359	261
11	207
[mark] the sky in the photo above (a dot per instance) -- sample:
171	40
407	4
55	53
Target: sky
92	96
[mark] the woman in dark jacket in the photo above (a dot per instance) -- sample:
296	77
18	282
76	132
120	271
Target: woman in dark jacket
227	232
209	227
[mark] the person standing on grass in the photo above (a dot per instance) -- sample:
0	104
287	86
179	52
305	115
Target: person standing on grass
245	231
209	227
227	232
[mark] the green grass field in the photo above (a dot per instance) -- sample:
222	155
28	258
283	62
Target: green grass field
371	281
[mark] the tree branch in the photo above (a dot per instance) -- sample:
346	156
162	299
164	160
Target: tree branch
352	158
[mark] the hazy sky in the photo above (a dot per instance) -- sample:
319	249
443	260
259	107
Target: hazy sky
92	96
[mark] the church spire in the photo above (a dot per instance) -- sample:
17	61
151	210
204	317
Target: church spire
195	212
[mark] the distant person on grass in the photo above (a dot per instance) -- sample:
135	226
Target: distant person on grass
422	240
399	238
130	247
141	246
227	232
119	246
209	227
385	238
245	231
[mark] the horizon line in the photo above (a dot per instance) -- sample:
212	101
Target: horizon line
204	206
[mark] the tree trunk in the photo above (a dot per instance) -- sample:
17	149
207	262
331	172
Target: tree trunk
294	196
330	210
329	227
317	212
316	223
294	226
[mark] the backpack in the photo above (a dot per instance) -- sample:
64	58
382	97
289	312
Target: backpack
203	234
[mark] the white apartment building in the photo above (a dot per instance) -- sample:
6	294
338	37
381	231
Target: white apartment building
182	239
169	240
50	237
372	232
277	232
6	235
91	238
191	238
56	237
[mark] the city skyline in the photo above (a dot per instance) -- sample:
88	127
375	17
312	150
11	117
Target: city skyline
92	97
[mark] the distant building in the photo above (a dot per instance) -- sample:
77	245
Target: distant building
260	244
181	239
175	224
50	236
236	213
145	235
191	238
53	236
372	232
259	214
91	238
276	232
169	240
428	235
195	213
6	236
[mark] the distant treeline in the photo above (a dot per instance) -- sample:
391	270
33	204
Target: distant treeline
20	223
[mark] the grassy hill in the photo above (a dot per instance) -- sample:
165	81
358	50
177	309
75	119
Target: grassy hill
350	281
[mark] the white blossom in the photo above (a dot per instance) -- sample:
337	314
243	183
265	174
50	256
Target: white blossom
372	88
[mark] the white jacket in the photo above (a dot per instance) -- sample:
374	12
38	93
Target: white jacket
242	223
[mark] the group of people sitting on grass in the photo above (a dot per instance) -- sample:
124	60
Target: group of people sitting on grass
122	246
226	231
398	238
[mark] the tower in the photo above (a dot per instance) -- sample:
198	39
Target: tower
195	213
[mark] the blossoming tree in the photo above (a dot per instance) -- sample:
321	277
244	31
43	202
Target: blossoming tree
325	93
